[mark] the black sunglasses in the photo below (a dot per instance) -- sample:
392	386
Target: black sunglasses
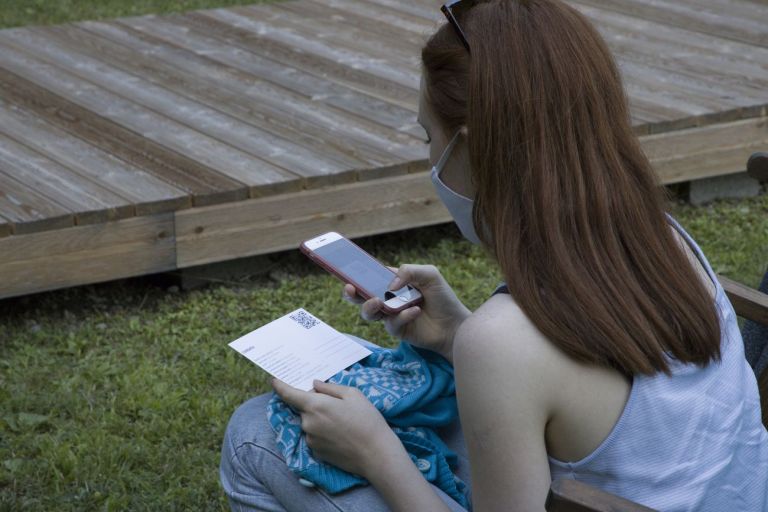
455	9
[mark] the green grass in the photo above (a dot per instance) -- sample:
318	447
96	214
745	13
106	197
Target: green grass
15	13
116	396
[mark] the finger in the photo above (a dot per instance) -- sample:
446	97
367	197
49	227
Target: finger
397	323
330	388
294	397
350	294
371	310
416	275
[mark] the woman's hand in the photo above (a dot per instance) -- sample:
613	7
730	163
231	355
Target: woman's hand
431	325
341	426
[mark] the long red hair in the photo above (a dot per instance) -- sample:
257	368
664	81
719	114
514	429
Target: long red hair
574	214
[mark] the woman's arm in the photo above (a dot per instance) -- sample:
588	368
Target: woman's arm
402	485
504	368
343	428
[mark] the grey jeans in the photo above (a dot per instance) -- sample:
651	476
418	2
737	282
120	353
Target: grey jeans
255	476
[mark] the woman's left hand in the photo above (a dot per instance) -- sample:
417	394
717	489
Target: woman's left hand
341	426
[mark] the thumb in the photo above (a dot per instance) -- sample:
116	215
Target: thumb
330	388
420	276
294	397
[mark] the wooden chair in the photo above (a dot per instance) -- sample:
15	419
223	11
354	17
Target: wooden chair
572	496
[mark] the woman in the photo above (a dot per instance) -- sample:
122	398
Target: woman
612	355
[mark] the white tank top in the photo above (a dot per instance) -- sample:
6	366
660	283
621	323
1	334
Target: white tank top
690	441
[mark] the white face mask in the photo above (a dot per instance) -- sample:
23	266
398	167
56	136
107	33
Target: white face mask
459	206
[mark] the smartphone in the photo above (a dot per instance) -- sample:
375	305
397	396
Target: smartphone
347	261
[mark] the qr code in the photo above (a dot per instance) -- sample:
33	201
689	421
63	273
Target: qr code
305	320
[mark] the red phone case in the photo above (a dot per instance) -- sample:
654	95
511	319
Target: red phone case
346	279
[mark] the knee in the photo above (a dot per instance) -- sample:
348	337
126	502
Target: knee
248	431
249	424
251	465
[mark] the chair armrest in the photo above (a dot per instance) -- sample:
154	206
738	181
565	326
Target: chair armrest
567	495
748	302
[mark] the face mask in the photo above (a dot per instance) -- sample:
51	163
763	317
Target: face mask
458	206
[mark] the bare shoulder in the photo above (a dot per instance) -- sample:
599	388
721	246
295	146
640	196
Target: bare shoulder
498	347
504	370
499	341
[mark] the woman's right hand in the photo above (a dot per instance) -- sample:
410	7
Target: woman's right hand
430	325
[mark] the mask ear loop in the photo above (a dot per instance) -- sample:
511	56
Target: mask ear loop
446	153
444	158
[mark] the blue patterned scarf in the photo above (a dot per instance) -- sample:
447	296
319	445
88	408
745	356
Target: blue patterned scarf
414	390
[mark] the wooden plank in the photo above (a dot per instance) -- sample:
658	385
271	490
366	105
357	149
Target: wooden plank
344	30
728	20
706	56
284	71
28	210
149	194
683	85
238	17
277	151
719	63
260	176
351	68
86	254
257	226
705	151
747	302
386	17
310	108
566	495
738	9
734	84
425	10
295	26
276	115
390	19
203	184
662	95
89	202
397	36
306	100
314	152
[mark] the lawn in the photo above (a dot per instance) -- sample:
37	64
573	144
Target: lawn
15	13
116	396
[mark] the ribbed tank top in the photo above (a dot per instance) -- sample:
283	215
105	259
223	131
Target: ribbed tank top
690	441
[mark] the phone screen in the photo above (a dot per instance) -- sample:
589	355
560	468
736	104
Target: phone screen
360	267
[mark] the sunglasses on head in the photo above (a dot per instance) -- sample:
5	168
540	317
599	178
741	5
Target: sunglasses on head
455	9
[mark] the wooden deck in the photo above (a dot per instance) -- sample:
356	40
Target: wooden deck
147	144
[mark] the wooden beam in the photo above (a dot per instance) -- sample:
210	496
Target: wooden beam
258	226
747	302
705	151
567	495
86	254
